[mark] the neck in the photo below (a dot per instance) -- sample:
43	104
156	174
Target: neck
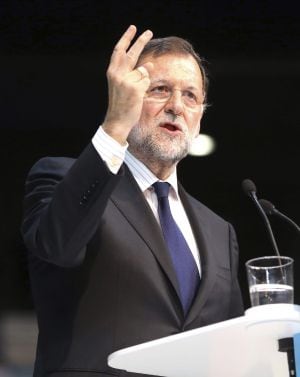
161	169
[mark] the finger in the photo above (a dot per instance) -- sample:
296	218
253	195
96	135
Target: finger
137	75
135	50
148	66
125	40
142	72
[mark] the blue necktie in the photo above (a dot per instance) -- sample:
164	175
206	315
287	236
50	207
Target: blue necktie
181	255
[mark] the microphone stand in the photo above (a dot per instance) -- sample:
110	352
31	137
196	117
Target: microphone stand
270	209
253	196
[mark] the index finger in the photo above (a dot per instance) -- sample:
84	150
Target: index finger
126	39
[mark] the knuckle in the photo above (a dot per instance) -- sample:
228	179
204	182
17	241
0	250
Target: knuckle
109	73
113	77
131	55
116	48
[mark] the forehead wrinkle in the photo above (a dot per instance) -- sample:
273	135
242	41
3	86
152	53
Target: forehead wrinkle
159	80
173	70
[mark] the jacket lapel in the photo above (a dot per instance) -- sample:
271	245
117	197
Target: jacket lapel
207	259
131	202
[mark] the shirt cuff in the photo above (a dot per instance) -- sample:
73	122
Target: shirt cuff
109	150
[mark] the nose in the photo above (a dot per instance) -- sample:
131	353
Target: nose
174	105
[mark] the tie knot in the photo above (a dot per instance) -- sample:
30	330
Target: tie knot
162	189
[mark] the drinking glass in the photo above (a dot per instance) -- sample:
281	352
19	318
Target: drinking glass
270	280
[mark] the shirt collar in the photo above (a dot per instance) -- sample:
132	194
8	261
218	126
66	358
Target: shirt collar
144	177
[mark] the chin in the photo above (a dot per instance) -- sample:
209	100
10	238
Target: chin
172	155
158	147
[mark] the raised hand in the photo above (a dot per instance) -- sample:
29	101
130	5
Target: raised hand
127	85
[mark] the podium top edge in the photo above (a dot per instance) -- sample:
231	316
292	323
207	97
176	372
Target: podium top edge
273	310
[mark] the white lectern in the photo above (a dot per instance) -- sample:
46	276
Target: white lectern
242	347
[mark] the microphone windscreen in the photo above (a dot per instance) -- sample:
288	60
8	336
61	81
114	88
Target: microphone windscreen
248	186
267	206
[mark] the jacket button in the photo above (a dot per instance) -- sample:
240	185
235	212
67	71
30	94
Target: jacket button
83	200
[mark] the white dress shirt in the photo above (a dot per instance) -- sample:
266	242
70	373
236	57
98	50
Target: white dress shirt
114	154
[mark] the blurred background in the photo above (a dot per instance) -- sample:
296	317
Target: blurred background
53	57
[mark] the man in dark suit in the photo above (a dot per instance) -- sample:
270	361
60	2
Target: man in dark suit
104	267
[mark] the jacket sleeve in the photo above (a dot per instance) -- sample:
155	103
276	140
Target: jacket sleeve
64	200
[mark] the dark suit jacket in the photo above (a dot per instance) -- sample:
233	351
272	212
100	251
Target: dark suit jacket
101	275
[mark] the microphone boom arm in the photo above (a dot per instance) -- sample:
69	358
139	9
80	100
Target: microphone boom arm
262	212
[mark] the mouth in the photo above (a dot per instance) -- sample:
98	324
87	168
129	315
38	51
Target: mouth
171	127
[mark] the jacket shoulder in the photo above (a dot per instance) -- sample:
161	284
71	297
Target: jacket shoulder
45	165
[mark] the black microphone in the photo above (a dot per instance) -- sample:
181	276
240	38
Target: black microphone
250	190
270	209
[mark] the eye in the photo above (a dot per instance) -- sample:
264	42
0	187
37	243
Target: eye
190	96
161	89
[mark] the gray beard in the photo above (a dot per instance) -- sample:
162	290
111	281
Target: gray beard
145	147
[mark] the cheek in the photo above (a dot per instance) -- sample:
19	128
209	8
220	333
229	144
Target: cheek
150	110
